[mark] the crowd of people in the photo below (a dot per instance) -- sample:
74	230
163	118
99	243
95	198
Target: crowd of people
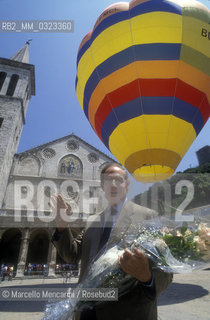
66	269
38	269
42	269
7	271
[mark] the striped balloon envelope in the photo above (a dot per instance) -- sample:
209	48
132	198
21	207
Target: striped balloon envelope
143	82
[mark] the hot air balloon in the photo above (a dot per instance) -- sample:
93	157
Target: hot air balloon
143	82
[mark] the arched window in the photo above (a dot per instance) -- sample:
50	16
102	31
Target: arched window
12	85
2	78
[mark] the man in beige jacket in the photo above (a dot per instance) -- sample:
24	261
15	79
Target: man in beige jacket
139	300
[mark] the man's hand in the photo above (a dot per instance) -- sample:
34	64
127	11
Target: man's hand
61	209
136	264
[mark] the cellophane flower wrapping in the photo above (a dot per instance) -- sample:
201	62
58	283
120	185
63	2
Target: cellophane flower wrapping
176	247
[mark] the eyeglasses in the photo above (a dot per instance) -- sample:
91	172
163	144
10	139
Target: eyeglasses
111	180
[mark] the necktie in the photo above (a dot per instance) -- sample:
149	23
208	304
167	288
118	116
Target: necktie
113	211
107	229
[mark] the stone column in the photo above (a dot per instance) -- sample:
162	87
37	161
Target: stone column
51	260
23	253
1	234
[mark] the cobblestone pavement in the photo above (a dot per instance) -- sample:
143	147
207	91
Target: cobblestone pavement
187	298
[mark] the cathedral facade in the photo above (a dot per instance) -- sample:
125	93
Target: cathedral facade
68	166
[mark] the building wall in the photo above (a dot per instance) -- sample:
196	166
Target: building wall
10	132
69	166
12	110
203	155
36	174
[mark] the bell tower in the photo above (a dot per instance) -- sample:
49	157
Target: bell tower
17	85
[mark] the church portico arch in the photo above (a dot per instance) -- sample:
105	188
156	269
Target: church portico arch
38	247
10	247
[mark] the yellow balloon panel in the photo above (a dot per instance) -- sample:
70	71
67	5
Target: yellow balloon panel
123	138
180	136
175	130
112	40
156	27
151	174
106	44
85	67
151	132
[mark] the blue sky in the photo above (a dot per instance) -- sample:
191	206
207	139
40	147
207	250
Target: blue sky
55	111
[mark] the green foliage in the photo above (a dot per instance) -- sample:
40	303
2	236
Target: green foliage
182	246
205	168
167	198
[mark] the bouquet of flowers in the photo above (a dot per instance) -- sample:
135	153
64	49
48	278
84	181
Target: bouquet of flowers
171	247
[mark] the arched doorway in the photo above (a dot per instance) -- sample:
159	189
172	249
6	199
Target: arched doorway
37	251
10	247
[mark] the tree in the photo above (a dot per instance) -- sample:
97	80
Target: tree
183	191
